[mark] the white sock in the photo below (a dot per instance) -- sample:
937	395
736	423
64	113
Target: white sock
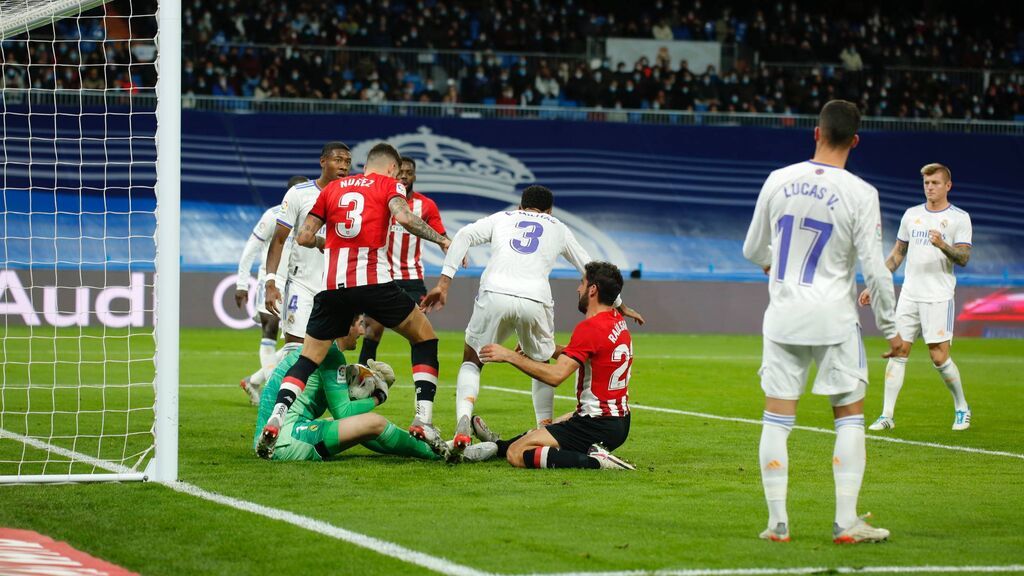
848	461
774	457
258	378
425	411
286	350
543	401
268	352
467	388
894	372
951	376
278	356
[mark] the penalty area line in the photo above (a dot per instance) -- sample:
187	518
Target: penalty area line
805	428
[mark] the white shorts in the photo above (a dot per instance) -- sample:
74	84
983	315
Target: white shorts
931	320
261	300
842	370
497	316
296	308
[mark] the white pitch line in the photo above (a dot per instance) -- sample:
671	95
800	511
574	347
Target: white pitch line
382	547
803	570
449	568
730	419
69	454
806	428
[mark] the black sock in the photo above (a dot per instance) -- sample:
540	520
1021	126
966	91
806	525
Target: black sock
504	444
569	459
424	369
369	350
286	397
298	374
555	458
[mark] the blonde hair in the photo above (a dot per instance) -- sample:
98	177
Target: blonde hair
929	169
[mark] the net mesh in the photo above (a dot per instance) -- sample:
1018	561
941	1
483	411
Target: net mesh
77	174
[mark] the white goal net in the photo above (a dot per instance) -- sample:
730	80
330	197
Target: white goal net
88	240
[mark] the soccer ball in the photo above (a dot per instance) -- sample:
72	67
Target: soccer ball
361	381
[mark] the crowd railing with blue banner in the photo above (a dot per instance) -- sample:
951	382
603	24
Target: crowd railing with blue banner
140	101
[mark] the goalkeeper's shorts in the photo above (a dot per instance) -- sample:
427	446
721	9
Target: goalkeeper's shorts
302	439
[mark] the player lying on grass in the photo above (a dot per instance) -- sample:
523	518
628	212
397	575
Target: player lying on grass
307	436
601	351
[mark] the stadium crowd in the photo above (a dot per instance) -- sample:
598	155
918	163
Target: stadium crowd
805	54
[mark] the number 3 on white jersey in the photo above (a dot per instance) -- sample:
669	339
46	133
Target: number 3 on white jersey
620	376
353	221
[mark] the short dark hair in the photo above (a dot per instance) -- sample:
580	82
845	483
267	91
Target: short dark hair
296	180
537	197
409	160
607	278
839	121
381	150
332	146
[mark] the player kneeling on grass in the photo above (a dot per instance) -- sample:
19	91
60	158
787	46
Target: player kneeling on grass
349	393
601	350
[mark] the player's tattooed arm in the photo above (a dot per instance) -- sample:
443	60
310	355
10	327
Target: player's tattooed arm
896	257
960	254
399	208
307	233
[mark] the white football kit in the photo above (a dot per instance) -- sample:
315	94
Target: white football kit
305	265
811	224
515	295
926	306
256	247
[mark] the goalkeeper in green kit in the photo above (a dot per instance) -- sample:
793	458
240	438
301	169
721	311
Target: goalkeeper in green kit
349	393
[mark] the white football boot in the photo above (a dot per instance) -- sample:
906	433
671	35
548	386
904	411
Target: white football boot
883	423
962	419
860	532
778	534
607	460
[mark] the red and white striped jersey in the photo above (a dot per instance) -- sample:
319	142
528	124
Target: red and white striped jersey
404	248
604	349
355	211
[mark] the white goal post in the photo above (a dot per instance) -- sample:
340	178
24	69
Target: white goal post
90	140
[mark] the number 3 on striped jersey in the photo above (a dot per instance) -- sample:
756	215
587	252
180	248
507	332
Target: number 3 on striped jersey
352	218
620	376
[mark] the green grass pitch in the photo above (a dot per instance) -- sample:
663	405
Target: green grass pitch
695	503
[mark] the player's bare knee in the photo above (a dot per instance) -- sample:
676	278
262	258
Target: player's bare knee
470	355
372	329
376	424
780	406
270	329
515	456
416	327
939	353
314	349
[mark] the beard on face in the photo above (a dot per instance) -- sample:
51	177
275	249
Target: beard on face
582	304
